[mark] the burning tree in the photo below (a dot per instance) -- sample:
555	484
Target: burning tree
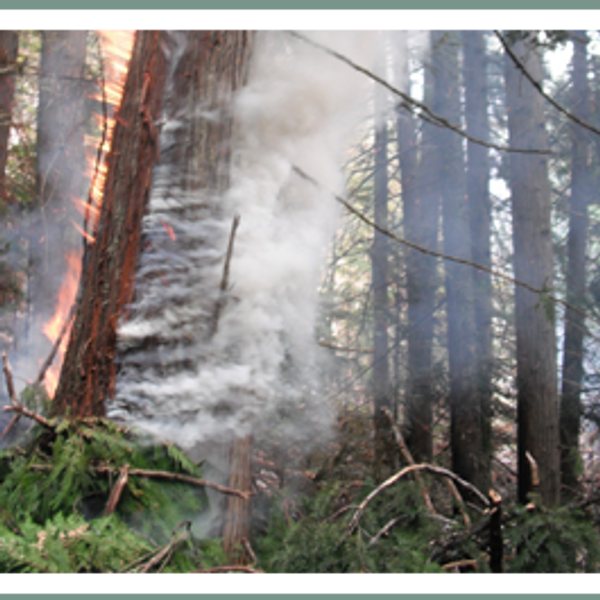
168	76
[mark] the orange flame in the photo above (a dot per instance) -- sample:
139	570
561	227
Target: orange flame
116	47
53	327
170	231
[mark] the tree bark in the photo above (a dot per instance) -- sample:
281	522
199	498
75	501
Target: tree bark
60	171
88	374
181	79
572	368
537	398
479	209
465	411
9	46
421	206
385	448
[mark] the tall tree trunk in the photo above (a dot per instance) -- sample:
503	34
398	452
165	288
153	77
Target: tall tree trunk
9	42
421	207
476	106
382	393
9	46
537	397
88	374
465	412
572	368
60	173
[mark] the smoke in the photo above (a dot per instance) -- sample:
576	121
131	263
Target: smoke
258	372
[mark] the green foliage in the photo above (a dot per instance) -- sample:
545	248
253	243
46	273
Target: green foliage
53	495
319	542
557	540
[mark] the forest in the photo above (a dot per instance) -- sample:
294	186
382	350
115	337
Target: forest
300	302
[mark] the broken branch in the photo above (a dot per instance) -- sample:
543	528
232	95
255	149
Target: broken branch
182	478
394	478
115	493
18	408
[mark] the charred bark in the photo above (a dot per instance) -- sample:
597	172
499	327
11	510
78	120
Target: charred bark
186	82
88	374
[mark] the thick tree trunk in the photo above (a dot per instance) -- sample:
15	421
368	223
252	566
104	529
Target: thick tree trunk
9	46
88	374
186	82
572	369
476	105
537	398
421	205
465	412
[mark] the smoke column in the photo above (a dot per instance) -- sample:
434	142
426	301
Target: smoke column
257	373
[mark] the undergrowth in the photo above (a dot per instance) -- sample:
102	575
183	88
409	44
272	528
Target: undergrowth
54	493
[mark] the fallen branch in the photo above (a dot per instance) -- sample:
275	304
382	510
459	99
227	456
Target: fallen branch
18	408
385	529
460	563
461	503
164	553
115	493
409	459
182	478
229	569
248	548
394	478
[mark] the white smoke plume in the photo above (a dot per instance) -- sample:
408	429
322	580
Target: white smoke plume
257	373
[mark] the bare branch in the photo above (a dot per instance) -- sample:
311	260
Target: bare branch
183	478
424	112
538	86
394	478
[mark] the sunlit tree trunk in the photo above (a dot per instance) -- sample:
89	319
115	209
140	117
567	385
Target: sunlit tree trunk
476	117
537	397
572	368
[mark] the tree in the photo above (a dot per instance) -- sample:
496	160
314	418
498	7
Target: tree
170	76
421	207
537	399
572	368
9	45
59	174
382	392
476	107
465	418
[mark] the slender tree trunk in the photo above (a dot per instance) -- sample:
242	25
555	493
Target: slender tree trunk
476	106
9	46
537	398
60	171
421	218
572	368
382	393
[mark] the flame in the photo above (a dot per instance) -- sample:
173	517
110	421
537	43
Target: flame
116	49
53	327
170	231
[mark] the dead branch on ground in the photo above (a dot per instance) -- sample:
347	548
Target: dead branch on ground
229	569
394	478
115	493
